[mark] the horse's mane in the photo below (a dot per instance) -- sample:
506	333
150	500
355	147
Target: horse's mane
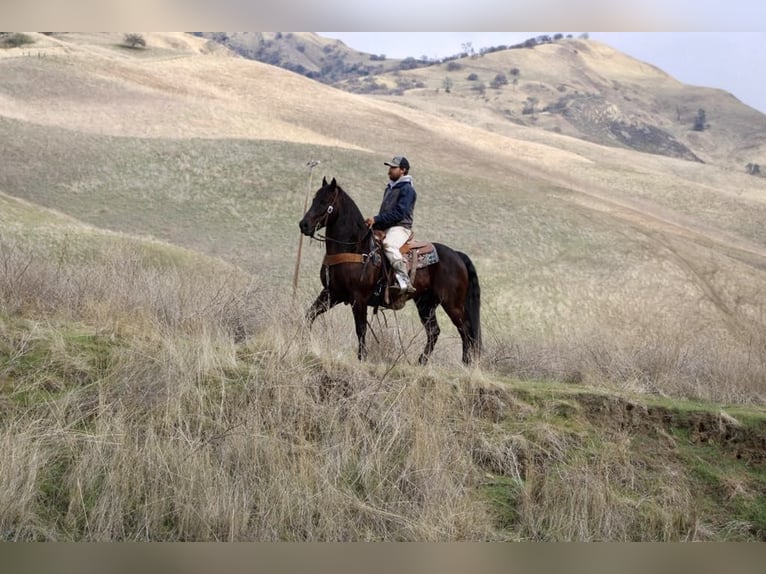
350	204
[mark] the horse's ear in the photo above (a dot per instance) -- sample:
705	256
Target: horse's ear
324	181
333	183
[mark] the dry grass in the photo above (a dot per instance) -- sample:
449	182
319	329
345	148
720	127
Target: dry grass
138	416
191	405
604	495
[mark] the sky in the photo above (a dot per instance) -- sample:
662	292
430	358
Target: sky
733	61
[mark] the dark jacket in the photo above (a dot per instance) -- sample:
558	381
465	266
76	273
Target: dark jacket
398	204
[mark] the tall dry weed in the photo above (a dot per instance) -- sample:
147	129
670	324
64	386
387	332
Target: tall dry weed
596	494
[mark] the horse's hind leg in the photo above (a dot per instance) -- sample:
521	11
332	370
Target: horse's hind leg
427	311
322	303
360	322
457	315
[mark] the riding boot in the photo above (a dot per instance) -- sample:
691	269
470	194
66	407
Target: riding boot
402	277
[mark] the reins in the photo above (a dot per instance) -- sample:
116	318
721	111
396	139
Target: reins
325	239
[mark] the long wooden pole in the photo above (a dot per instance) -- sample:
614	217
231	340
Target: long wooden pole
311	165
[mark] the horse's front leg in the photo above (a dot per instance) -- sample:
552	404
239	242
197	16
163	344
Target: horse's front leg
360	321
322	303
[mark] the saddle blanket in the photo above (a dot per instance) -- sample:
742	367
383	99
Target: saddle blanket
423	252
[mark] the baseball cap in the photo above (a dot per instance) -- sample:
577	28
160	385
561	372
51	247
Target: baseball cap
398	161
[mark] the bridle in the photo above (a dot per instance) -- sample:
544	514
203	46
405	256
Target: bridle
323	223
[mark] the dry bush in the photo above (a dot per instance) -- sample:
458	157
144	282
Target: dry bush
122	286
146	400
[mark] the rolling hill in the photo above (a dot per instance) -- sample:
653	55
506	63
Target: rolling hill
208	150
148	236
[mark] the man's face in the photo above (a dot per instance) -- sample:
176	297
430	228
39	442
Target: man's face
395	173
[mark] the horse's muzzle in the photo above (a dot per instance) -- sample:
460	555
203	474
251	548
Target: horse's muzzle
306	229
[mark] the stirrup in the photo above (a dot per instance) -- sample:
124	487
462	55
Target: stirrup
405	284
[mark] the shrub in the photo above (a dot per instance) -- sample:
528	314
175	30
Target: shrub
499	81
529	105
409	63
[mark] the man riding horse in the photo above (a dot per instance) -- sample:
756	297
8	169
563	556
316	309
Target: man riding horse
395	217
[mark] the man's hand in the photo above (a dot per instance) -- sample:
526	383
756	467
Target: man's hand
370	221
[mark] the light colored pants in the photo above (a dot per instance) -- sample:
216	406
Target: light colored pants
395	237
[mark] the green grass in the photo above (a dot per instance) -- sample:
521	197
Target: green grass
40	362
728	486
502	494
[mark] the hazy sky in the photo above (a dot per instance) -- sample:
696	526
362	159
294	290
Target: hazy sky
733	61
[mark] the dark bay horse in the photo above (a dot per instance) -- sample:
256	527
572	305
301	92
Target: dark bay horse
350	272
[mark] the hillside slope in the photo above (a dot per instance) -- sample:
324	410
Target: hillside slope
158	382
591	91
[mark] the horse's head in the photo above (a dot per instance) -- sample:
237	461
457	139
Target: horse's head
323	209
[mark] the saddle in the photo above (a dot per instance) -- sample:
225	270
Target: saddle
417	254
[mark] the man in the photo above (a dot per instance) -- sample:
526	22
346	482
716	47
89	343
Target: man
395	216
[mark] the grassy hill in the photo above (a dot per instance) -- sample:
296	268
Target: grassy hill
156	379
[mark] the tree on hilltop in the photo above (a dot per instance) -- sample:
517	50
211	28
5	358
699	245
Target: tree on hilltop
700	121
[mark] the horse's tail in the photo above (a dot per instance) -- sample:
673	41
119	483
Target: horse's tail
473	304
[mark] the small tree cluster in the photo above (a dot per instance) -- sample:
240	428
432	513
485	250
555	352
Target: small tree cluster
134	41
